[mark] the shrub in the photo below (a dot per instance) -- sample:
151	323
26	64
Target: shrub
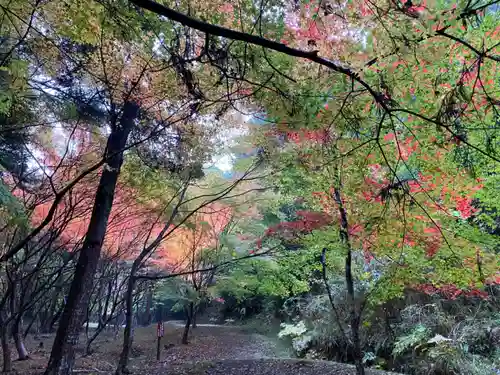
300	338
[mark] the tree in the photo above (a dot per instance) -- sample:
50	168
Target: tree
109	76
204	246
371	111
188	198
72	317
391	114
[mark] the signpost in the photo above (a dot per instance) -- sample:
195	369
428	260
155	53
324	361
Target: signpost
160	330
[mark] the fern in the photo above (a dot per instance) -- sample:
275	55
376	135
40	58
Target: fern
417	336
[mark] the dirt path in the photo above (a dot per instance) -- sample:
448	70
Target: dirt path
212	350
260	367
224	342
228	350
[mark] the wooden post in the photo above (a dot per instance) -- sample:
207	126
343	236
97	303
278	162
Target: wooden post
158	348
160	330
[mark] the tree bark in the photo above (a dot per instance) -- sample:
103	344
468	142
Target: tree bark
104	319
27	330
195	314
4	338
18	339
354	315
127	333
149	303
14	309
189	317
50	327
62	356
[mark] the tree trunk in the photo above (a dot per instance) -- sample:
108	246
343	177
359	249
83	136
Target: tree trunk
127	333
193	320
354	315
97	332
189	313
62	356
18	339
15	331
4	338
50	327
53	312
149	304
358	354
27	330
104	320
87	323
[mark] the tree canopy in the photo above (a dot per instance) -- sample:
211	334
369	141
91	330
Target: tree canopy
234	152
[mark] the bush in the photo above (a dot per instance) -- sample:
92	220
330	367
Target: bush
466	347
324	338
430	336
297	333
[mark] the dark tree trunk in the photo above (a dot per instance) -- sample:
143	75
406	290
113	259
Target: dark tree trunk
193	320
149	303
354	314
87	323
62	356
54	319
55	309
18	339
104	319
4	338
14	309
127	333
358	354
27	330
189	317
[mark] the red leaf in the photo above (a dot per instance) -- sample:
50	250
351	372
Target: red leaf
389	137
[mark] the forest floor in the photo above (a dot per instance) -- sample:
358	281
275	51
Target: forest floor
212	350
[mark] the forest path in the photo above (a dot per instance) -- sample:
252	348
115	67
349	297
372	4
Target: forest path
212	350
220	342
233	350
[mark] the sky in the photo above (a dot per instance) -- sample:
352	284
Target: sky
225	159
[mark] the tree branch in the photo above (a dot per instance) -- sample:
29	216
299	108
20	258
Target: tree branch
213	268
255	40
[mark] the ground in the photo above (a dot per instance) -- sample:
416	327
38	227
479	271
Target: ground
212	350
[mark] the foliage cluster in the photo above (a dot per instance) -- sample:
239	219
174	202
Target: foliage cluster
430	336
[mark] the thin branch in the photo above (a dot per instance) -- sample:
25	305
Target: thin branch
256	40
208	269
